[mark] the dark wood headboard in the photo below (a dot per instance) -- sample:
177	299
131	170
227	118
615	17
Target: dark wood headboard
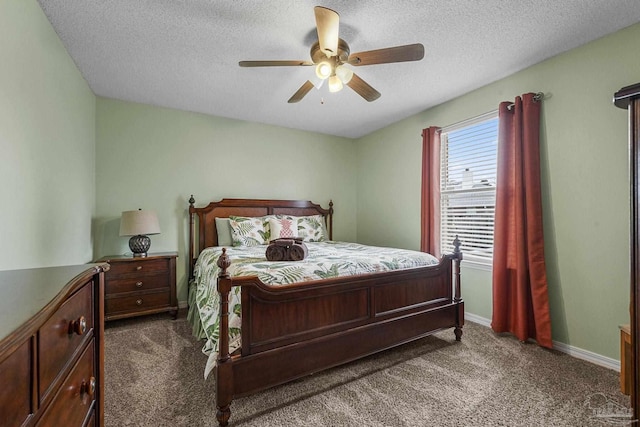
206	234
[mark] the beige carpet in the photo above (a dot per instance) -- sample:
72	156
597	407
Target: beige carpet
154	368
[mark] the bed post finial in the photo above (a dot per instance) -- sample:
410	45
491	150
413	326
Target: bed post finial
456	245
224	263
330	219
191	201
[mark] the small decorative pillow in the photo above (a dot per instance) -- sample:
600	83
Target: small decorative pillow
312	228
284	227
248	231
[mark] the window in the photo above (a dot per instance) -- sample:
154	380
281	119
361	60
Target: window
468	162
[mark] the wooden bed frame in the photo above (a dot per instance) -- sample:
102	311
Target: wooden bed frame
291	331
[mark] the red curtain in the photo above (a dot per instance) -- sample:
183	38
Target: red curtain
430	210
520	297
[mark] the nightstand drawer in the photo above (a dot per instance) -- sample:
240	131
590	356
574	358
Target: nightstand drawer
137	303
62	335
138	267
75	398
140	283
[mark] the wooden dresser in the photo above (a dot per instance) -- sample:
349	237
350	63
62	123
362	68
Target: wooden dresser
52	346
139	286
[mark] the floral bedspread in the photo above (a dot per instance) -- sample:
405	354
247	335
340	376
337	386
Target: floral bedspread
325	260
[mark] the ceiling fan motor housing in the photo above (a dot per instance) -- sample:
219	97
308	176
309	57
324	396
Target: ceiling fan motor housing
317	55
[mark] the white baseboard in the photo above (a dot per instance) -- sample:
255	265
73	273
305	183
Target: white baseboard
576	352
477	319
587	355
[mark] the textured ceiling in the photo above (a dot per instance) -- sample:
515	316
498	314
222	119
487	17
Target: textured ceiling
184	54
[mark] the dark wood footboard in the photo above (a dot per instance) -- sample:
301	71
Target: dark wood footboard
291	331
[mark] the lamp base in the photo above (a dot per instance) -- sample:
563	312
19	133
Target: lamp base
139	245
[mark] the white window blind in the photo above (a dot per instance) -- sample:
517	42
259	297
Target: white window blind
468	162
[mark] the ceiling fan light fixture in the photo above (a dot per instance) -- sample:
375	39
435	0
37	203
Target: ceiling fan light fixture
344	73
323	70
335	84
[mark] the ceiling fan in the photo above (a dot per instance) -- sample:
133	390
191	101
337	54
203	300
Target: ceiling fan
331	56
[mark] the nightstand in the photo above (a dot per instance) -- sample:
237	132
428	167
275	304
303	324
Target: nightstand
139	286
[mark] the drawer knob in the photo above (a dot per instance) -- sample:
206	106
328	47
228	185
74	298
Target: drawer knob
139	268
138	284
88	387
78	326
139	301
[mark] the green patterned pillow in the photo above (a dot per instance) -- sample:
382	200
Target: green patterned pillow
312	228
249	231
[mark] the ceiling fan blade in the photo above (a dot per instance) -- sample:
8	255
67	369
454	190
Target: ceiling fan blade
273	63
410	52
300	93
363	88
327	24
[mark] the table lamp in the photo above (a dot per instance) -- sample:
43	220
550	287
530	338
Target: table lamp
138	224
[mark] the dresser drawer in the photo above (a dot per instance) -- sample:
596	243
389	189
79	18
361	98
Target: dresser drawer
63	335
75	399
138	267
137	303
140	283
15	400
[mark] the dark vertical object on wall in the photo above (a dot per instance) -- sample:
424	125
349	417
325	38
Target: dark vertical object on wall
629	98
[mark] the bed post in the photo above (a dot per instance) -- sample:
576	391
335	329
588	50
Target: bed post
223	370
191	242
457	298
330	219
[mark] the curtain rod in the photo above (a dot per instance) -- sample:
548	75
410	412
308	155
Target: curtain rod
539	96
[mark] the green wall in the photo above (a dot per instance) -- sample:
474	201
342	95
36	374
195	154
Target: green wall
47	145
155	158
584	178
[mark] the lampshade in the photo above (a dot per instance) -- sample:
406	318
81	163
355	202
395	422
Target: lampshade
138	224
